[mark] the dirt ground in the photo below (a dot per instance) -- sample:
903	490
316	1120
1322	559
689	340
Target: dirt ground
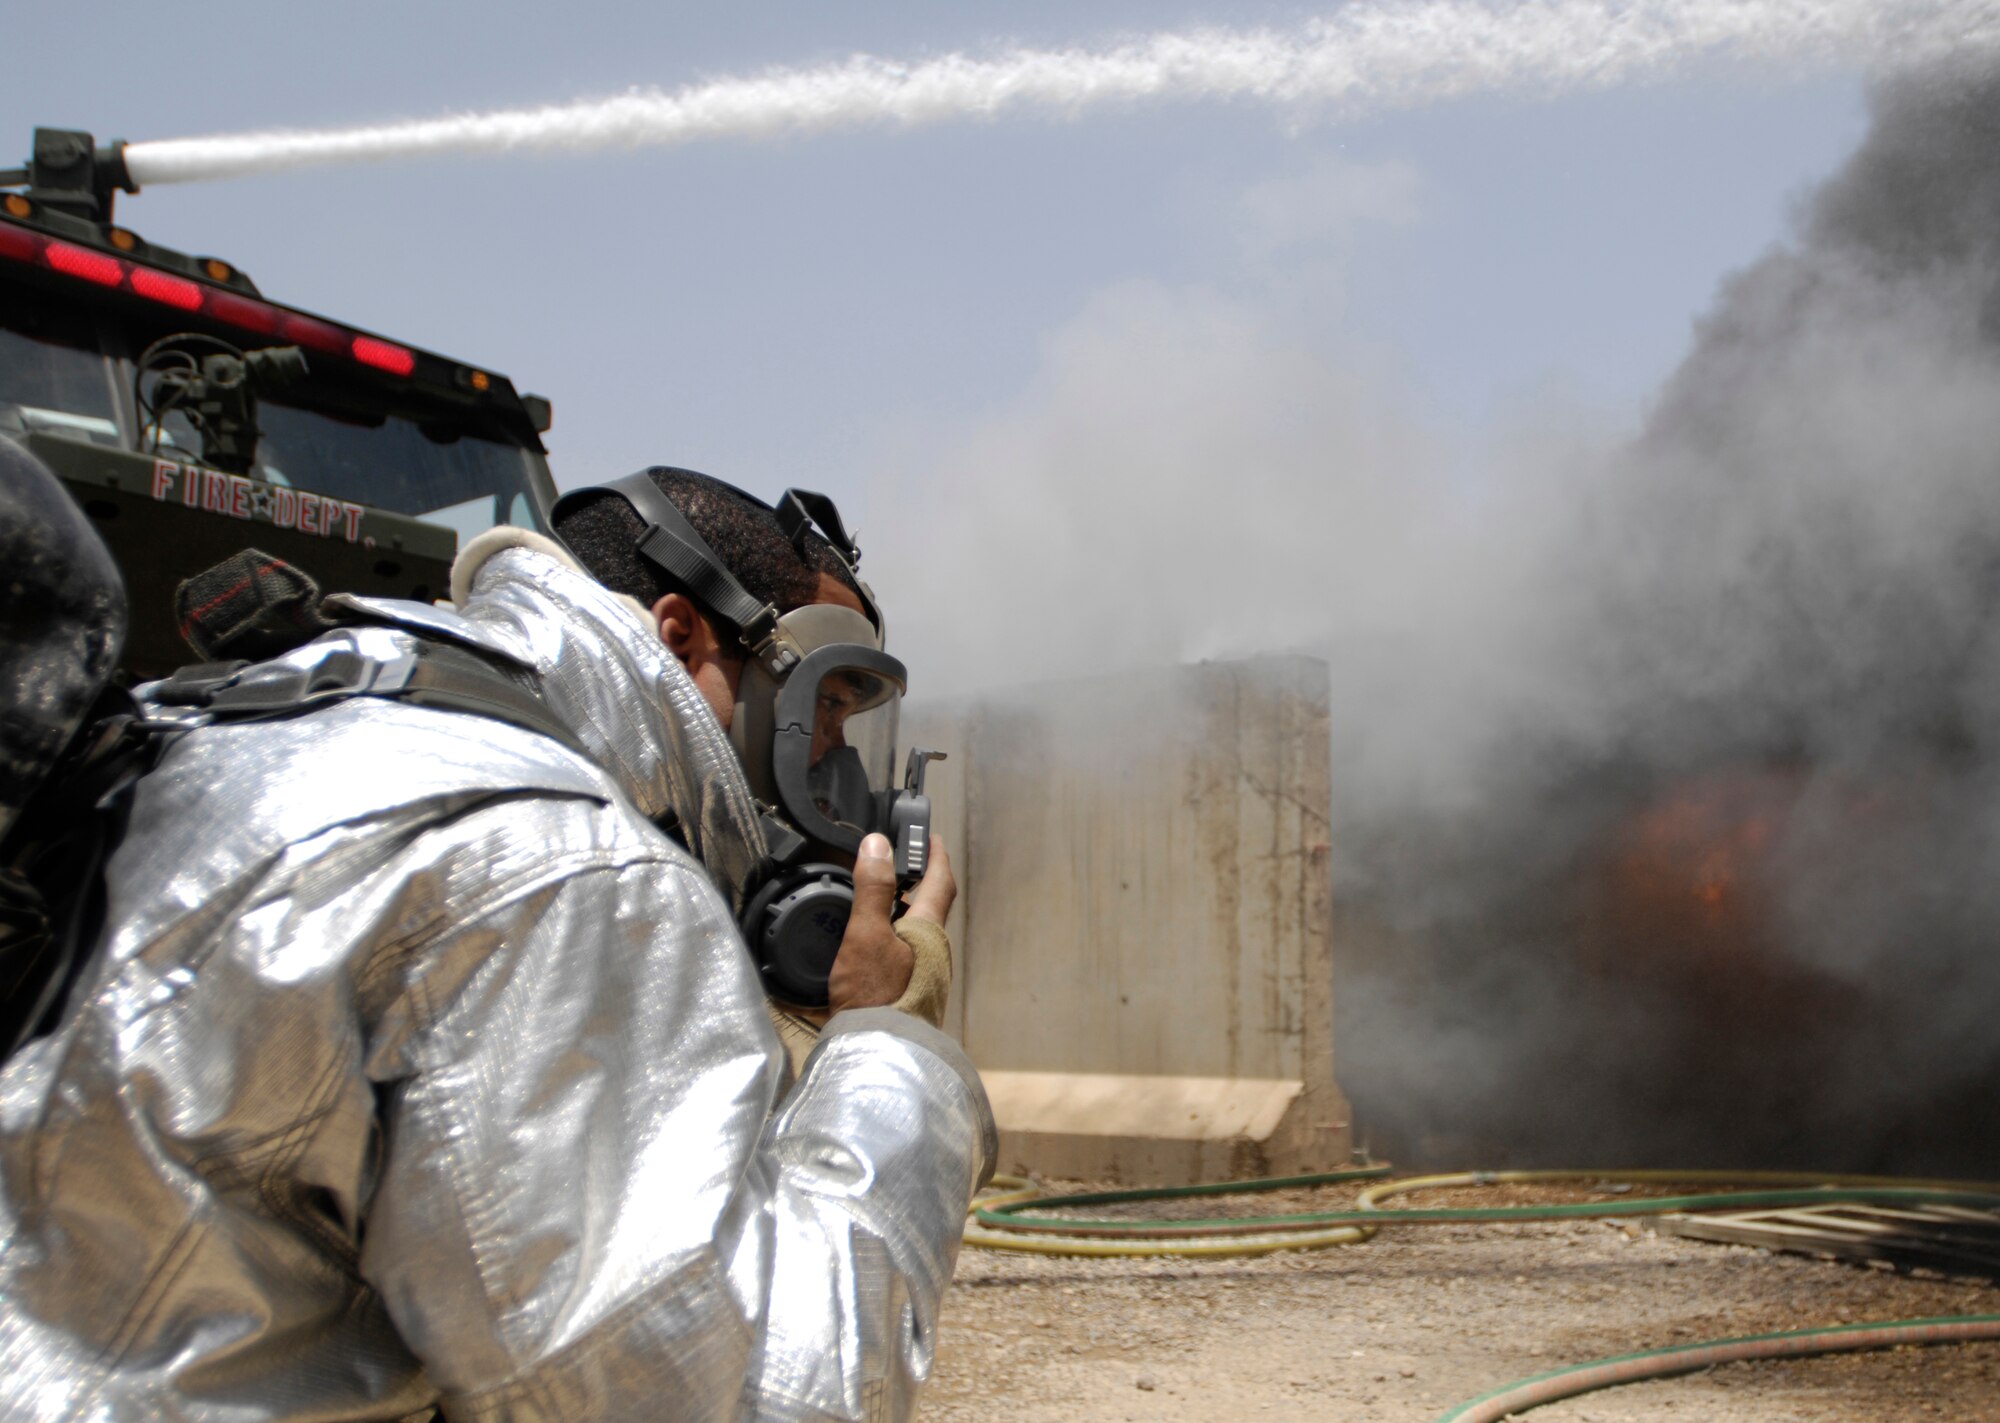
1418	1320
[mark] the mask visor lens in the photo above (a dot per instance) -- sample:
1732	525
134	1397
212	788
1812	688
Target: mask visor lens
853	745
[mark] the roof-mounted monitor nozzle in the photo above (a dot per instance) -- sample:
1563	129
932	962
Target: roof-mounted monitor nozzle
70	173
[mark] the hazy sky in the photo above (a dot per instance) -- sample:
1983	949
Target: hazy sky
845	310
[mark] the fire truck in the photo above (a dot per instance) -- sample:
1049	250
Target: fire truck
191	416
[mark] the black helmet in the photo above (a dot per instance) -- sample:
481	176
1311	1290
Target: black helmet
62	623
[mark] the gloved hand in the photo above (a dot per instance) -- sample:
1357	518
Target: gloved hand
873	966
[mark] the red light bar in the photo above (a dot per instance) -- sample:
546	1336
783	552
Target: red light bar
84	263
384	356
313	335
21	245
165	288
246	313
242	311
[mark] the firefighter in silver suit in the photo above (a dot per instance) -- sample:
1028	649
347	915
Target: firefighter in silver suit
418	1068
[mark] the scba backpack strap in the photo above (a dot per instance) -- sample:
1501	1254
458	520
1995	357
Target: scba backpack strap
435	674
253	606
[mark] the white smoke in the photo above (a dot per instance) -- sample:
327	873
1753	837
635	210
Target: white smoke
1363	58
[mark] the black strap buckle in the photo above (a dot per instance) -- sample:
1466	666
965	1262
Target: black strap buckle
799	509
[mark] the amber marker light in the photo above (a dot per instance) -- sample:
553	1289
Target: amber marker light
18	206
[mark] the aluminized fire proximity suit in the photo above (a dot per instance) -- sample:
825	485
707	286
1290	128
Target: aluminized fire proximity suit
419	1066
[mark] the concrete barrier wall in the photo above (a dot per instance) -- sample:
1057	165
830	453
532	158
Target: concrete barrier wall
1145	974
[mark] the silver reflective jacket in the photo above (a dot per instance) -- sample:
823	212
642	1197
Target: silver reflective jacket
419	1068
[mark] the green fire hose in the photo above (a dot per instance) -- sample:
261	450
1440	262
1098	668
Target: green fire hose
1691	1358
1000	1220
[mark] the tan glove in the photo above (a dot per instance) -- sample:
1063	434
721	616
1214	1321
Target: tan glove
929	993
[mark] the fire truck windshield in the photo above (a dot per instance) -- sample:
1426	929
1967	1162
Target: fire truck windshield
52	378
429	470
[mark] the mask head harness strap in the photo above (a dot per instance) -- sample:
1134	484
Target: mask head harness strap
799	511
671	544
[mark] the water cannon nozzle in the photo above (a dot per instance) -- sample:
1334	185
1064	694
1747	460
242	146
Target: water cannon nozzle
70	172
112	172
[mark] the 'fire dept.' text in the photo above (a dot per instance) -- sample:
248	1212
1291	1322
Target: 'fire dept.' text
239	498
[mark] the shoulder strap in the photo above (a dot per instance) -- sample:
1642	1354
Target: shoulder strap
456	679
440	674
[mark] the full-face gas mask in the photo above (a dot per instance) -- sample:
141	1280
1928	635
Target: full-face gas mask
815	727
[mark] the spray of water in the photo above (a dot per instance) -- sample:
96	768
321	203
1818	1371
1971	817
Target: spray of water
1363	58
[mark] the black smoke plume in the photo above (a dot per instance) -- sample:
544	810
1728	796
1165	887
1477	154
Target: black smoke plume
1730	894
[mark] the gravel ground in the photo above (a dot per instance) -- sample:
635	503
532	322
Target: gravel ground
1424	1318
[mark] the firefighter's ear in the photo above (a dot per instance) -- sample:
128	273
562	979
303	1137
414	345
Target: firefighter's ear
683	630
710	658
690	634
